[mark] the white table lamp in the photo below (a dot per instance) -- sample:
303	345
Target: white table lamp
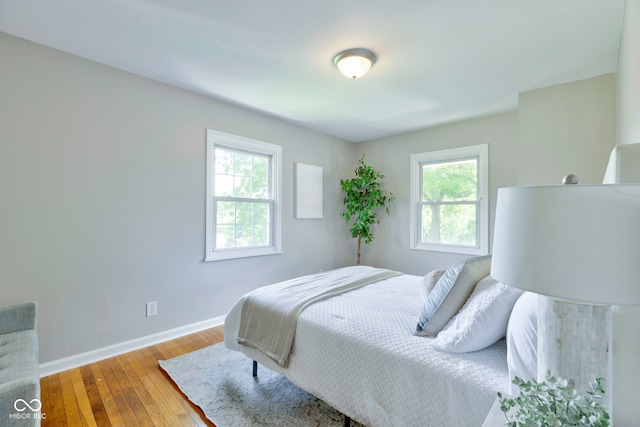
579	245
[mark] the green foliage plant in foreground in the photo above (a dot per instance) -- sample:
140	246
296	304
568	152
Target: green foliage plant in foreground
552	403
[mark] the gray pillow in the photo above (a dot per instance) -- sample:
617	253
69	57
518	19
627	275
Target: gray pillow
450	294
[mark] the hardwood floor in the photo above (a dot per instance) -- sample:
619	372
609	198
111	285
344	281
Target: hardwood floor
127	390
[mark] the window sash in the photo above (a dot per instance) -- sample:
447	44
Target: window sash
215	249
456	202
233	175
270	220
479	200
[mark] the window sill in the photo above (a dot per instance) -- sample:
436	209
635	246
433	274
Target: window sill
464	250
231	254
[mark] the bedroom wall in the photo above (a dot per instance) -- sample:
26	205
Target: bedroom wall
628	82
568	128
102	194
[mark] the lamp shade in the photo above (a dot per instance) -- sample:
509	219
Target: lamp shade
576	242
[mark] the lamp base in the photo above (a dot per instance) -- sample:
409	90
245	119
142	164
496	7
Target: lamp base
575	342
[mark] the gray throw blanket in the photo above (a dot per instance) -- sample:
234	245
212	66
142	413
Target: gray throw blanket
270	314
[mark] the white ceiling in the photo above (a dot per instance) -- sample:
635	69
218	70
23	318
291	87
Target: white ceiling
438	60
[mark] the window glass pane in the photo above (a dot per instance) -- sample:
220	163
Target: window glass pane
242	224
244	236
261	234
241	186
241	174
223	172
261	213
260	167
224	161
244	213
224	185
430	234
225	213
449	224
260	184
260	189
450	181
242	164
225	236
459	224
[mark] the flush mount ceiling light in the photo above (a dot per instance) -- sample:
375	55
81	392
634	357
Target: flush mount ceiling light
354	63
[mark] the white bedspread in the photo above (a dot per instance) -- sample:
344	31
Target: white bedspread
270	314
357	352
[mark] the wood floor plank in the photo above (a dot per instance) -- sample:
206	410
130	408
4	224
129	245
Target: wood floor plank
128	402
53	405
127	390
71	408
110	406
45	385
153	409
82	400
167	350
97	406
160	394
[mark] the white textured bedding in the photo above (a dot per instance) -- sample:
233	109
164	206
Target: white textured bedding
270	314
357	352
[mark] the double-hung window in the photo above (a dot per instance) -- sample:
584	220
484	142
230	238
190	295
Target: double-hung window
243	197
449	200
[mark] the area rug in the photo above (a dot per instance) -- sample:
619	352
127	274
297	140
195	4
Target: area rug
219	381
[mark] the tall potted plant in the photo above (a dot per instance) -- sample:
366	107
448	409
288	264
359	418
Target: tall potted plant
363	199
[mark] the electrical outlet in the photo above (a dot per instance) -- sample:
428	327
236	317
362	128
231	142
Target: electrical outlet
152	308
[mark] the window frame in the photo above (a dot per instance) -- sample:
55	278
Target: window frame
216	139
481	152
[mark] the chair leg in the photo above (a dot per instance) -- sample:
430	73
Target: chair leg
347	421
255	368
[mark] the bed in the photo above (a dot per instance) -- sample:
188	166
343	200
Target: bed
359	352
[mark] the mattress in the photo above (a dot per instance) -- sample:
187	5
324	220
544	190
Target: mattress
357	352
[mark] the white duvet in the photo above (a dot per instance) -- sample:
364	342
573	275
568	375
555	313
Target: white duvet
269	314
357	352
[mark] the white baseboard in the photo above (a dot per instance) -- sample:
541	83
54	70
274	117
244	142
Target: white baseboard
64	364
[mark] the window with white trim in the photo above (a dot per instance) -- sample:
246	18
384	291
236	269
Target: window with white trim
243	197
449	200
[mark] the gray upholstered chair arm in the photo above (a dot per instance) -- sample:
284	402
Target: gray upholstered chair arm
18	317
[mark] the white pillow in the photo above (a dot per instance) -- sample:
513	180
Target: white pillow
450	294
429	281
522	340
481	321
